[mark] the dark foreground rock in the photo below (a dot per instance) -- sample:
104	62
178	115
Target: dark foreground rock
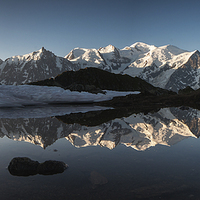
51	167
23	166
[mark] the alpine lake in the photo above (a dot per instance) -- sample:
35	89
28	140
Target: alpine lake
155	155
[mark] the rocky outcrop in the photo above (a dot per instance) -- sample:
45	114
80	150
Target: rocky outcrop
85	88
100	79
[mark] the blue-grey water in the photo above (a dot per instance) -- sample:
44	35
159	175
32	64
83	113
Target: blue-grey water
153	156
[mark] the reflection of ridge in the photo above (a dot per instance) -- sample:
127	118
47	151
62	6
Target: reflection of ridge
167	127
94	118
40	131
138	131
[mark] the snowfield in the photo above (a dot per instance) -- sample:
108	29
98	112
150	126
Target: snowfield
23	95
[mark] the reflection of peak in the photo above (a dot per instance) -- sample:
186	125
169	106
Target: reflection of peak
138	131
41	131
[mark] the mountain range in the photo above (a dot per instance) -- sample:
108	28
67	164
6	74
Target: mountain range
167	66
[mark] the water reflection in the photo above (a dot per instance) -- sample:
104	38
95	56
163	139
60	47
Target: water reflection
167	127
100	173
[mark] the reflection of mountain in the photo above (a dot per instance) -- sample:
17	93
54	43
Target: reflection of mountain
40	131
190	117
138	131
167	127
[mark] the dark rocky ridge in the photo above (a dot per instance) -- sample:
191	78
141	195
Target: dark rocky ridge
149	102
98	80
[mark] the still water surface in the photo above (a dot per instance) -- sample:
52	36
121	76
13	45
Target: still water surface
153	156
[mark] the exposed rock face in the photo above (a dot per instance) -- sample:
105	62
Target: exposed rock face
86	88
35	66
187	75
23	166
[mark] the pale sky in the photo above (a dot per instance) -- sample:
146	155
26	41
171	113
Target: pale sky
61	25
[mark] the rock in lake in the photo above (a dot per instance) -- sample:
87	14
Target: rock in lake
23	166
51	167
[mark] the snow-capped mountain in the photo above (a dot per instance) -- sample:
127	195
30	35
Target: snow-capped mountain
138	131
38	65
167	66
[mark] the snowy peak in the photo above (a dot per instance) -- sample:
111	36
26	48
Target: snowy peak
36	55
108	49
142	47
38	65
112	51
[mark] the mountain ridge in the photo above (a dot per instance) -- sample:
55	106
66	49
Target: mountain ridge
168	66
34	66
153	64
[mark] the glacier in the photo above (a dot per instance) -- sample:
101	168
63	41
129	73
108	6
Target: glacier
26	95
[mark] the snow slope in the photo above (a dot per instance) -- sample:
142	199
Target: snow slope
22	95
